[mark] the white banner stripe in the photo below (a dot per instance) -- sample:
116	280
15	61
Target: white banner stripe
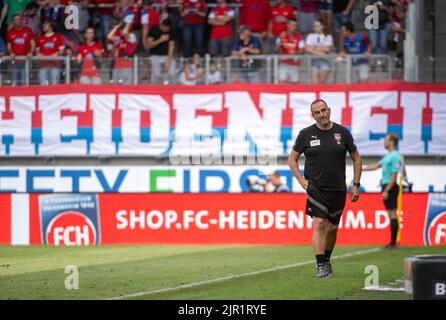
20	219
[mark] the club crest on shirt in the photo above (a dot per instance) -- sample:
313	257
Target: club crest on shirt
337	137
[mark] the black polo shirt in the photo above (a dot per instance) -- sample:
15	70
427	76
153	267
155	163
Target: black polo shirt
325	152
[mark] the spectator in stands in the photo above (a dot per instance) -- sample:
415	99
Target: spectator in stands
1	22
125	44
161	43
10	8
30	18
213	75
356	43
173	14
137	8
102	18
124	11
281	12
308	11
401	3
21	43
193	72
193	13
320	44
290	42
52	10
164	10
77	35
245	46
398	29
341	14
2	48
254	14
325	8
89	53
49	45
378	36
149	18
221	36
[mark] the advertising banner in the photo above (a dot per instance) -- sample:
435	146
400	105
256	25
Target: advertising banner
110	120
184	179
255	219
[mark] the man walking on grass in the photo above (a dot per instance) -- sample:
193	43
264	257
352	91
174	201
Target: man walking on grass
325	145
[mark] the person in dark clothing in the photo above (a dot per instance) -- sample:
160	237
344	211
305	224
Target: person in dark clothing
325	145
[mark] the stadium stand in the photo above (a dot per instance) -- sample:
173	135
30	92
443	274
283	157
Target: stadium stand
218	25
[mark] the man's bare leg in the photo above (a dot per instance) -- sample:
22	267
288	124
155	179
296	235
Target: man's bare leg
319	235
331	233
319	243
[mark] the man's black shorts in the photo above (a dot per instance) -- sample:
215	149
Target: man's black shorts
392	200
325	204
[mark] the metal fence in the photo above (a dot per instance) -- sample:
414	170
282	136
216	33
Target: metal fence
430	69
274	69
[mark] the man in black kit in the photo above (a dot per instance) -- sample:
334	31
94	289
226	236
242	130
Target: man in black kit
325	145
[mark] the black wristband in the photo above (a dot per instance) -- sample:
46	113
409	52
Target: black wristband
356	184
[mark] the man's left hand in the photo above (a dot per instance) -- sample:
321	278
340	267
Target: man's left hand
354	194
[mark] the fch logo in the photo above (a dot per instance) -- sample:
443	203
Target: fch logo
69	219
435	224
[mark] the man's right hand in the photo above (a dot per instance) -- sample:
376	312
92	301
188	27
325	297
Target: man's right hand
165	37
304	183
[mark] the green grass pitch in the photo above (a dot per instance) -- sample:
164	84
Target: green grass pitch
183	272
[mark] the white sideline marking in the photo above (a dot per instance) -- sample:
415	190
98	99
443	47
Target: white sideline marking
236	276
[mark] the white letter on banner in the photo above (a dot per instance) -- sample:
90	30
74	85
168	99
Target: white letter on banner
300	104
189	125
413	104
336	103
364	124
54	126
19	127
131	106
438	105
102	106
243	119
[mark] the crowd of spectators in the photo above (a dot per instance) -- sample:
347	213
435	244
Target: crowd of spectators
111	32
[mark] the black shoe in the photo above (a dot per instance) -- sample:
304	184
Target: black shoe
390	247
329	269
321	271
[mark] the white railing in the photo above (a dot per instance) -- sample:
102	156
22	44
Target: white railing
260	69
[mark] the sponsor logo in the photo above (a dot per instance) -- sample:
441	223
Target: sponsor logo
49	45
69	219
337	137
435	224
314	143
